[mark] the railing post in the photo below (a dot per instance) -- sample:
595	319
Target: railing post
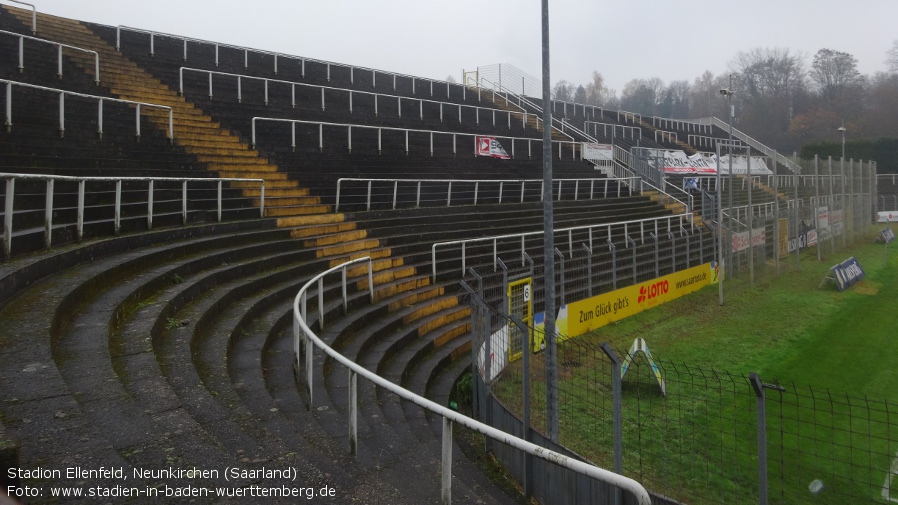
321	303
62	114
353	413
59	61
81	185
48	215
761	408
446	494
219	200
8	121
118	207
184	202
7	218
262	199
100	119
588	267
343	290
137	122
617	414
150	206
395	192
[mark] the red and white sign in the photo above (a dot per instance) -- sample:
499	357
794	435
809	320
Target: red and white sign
822	217
887	217
598	152
740	240
489	146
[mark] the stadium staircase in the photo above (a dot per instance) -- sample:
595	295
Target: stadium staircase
174	348
223	153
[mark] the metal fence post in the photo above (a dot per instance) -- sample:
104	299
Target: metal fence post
446	495
353	413
588	267
761	403
7	218
617	413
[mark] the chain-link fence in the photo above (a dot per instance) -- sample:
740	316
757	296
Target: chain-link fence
703	436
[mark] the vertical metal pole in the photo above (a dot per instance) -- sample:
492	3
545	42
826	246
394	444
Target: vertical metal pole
219	201
776	217
48	215
184	202
762	436
751	248
118	207
816	205
842	191
353	413
81	184
62	114
549	239
446	495
150	206
7	218
617	414
797	180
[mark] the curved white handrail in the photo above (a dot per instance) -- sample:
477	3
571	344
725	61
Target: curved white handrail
300	327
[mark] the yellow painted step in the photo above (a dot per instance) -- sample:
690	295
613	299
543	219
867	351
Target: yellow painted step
347	248
297	210
287	222
336	238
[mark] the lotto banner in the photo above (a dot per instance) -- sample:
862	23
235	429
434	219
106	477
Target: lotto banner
489	146
587	315
887	217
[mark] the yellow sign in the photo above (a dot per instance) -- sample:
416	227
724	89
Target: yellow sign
784	237
520	303
587	315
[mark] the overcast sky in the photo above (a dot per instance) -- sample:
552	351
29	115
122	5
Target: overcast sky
622	39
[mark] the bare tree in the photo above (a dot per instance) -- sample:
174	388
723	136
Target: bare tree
892	57
563	91
451	79
766	82
597	93
642	96
834	75
580	95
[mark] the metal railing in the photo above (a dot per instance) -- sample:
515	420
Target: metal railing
524	115
522	100
639	226
380	129
522	183
49	209
59	59
33	14
302	334
276	55
635	131
751	142
62	93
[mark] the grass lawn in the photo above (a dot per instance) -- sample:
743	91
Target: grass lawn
833	352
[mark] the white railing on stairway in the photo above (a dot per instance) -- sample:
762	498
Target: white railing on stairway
100	99
59	45
602	184
82	182
33	14
248	50
431	133
639	226
779	158
303	335
350	93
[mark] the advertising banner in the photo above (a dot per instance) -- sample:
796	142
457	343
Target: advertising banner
586	315
489	146
887	217
886	235
740	240
783	237
598	152
847	273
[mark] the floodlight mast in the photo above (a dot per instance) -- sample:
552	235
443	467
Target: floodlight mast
727	92
548	242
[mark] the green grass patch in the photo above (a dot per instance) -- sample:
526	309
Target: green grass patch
833	352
